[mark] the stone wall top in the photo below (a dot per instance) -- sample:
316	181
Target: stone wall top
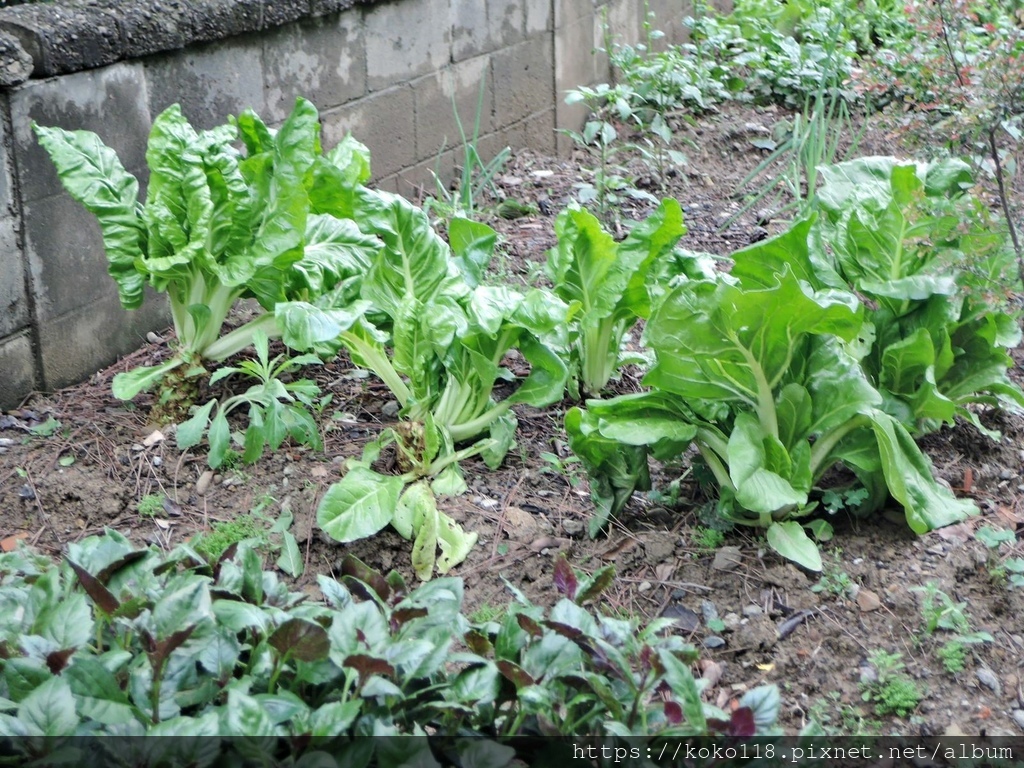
55	38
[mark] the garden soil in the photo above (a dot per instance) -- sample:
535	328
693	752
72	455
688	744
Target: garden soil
757	618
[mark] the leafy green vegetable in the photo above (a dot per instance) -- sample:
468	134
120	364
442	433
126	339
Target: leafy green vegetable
218	225
766	383
439	340
276	410
895	233
607	284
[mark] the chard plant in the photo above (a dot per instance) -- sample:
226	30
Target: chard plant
219	224
438	338
608	285
899	234
117	641
765	381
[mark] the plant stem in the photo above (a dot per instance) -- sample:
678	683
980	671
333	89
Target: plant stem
1004	201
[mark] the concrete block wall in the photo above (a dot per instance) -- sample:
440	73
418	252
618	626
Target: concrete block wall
389	71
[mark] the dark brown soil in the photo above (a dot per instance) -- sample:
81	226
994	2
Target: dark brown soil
776	625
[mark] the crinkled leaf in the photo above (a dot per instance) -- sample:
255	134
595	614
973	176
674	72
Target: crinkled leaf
92	174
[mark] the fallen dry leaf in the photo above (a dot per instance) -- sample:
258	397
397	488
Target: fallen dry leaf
620	547
154	437
957	534
665	571
711	671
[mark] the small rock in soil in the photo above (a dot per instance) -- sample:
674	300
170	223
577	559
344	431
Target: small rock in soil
645	586
685	619
727	559
988	678
731	621
868	600
711	672
756	632
572	528
709	611
1018	718
203	484
785	577
154	437
713	642
868	674
659	548
752	610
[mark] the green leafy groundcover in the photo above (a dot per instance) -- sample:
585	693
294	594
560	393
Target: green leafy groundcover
121	642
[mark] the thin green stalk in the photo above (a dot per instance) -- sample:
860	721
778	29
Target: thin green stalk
715	464
765	397
240	338
377	361
823	447
470	429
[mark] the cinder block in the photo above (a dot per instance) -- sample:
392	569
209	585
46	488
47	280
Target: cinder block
539	132
522	80
327	7
7	206
65	256
406	39
76	345
471	35
209	81
538	16
17	369
668	18
112	102
384	122
570	11
390	183
323	60
439	95
506	20
14	312
419	182
624	19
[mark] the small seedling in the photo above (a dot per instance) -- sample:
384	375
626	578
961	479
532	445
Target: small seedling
487	613
892	692
151	505
568	467
707	538
953	656
940	612
837	718
836	500
1009	571
834	579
